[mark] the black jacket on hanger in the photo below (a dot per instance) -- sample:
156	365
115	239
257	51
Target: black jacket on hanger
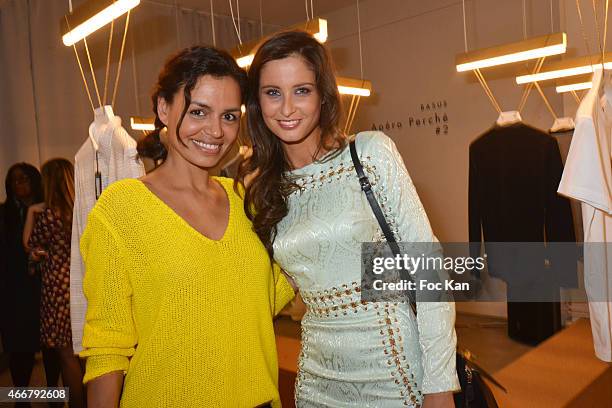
514	176
513	179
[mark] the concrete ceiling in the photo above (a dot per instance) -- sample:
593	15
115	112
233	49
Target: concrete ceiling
278	12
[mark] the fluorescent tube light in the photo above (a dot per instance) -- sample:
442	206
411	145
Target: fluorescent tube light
350	86
568	68
140	123
246	61
91	16
574	87
538	47
317	27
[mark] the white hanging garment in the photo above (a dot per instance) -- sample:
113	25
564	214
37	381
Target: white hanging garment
111	151
587	177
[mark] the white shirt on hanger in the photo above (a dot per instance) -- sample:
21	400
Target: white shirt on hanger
587	177
117	159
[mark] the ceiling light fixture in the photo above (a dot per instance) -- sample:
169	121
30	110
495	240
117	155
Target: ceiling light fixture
317	27
538	47
568	68
140	123
351	86
579	86
91	16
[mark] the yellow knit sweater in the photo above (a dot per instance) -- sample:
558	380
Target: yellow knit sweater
187	318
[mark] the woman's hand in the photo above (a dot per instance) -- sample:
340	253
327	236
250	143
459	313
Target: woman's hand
105	391
439	400
38	254
37	208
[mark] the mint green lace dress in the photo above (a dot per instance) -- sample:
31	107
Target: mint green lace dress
354	353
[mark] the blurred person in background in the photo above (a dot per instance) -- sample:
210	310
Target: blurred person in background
47	237
19	292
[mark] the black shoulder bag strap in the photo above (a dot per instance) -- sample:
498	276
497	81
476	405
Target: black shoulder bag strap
473	392
366	187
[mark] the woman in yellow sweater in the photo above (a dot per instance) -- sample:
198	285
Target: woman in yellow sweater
181	292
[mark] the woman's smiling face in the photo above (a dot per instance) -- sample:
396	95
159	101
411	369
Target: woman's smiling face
211	123
289	99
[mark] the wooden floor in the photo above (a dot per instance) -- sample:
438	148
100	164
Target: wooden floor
485	337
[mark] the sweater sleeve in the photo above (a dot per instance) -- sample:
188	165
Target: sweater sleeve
405	213
283	291
109	335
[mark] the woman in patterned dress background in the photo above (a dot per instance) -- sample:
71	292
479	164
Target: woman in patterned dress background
47	237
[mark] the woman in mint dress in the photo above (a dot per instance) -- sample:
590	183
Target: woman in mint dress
307	207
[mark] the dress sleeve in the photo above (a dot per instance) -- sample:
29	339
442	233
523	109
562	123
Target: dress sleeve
283	291
408	220
109	335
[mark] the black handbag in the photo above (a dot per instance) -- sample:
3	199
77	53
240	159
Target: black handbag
475	393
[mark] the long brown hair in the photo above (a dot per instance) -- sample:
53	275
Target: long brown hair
265	201
58	186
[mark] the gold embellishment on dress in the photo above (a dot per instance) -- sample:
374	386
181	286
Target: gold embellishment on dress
300	371
335	173
330	302
399	375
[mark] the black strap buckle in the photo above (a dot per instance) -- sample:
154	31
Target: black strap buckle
365	184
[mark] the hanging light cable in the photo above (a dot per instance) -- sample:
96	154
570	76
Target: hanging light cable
524	20
236	27
238	13
311	9
552	25
108	61
574	66
212	23
127	24
93	74
76	54
261	30
538	67
359	88
464	27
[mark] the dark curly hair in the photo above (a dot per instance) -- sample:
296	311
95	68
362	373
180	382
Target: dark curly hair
12	223
265	201
183	70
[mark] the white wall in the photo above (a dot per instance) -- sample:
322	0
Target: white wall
409	50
